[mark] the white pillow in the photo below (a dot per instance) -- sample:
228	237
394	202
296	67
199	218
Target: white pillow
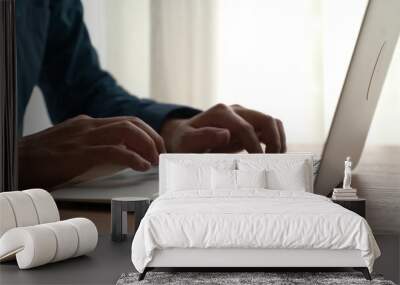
184	178
236	179
292	179
282	174
223	179
251	178
191	174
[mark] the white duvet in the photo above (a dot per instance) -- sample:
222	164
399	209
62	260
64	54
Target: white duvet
250	219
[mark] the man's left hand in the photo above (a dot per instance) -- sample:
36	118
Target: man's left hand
225	129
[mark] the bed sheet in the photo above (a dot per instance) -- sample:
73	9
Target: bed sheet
251	218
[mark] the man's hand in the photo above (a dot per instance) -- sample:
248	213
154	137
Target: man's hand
225	129
83	147
86	146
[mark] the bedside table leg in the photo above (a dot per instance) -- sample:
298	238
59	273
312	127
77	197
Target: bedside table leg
116	221
124	222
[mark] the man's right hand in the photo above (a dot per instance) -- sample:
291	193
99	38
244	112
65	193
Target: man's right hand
84	145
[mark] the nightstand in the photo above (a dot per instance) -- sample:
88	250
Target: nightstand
356	205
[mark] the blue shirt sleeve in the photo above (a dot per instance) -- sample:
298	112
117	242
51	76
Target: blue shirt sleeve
73	82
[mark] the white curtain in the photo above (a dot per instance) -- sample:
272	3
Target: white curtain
120	31
182	51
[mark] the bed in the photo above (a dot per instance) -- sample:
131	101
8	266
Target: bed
246	211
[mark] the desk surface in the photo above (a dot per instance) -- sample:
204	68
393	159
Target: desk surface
103	266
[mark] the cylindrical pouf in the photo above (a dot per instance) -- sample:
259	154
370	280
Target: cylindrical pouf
45	205
87	235
41	244
23	208
67	239
34	245
7	218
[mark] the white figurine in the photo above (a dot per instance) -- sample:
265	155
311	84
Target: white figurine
347	173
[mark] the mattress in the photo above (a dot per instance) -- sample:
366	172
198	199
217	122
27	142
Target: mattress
252	219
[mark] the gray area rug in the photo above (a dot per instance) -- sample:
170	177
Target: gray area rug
273	278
